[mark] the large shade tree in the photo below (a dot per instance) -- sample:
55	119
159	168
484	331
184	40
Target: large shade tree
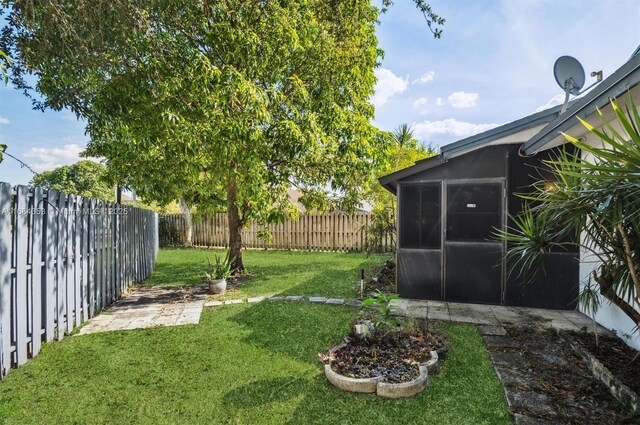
234	101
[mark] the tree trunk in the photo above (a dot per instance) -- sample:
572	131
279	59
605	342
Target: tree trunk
609	293
235	225
188	223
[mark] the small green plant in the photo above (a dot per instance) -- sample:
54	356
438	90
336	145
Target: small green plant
219	269
380	302
589	300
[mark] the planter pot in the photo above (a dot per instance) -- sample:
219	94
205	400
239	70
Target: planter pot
217	286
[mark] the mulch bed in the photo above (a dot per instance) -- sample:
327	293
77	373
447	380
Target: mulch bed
615	355
551	368
394	355
386	279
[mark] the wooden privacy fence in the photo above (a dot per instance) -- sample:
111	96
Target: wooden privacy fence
321	232
62	259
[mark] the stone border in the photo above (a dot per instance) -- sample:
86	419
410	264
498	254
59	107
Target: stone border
355	385
620	391
298	298
385	389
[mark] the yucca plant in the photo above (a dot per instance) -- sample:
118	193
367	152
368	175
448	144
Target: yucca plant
592	201
589	300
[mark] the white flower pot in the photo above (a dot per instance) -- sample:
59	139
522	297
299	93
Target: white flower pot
218	286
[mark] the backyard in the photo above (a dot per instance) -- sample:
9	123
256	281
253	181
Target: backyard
248	363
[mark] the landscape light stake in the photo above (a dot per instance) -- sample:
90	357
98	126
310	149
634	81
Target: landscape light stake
361	283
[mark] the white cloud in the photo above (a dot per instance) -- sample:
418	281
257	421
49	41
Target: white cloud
4	121
439	101
427	77
554	101
426	129
50	158
420	102
460	99
388	85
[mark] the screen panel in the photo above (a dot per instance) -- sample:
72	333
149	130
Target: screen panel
420	216
473	211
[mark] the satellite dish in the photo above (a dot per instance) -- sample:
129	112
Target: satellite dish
570	77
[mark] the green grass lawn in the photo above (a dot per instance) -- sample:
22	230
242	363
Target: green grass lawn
245	364
272	272
242	364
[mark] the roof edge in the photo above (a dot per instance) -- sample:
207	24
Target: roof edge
624	78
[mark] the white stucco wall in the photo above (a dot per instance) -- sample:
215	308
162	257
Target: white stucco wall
609	315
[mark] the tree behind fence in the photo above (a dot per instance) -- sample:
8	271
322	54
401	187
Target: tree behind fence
321	232
62	259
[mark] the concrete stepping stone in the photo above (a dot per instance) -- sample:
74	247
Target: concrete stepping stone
229	302
255	299
317	299
276	298
499	358
438	313
335	301
213	303
294	298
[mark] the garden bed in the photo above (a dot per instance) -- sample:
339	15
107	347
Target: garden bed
386	278
615	355
549	372
392	361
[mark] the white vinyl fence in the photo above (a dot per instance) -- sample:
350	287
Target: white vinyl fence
62	259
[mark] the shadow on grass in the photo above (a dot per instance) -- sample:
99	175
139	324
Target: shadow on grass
272	328
265	391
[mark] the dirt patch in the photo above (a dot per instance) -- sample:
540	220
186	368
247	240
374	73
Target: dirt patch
386	279
393	355
615	355
549	370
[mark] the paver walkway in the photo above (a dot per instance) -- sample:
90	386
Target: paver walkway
171	306
146	307
492	315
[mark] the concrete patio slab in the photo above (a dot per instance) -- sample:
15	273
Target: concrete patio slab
491	317
147	307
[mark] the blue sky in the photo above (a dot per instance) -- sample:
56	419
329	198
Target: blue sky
494	64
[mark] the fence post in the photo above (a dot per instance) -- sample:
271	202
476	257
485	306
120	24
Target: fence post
5	278
36	270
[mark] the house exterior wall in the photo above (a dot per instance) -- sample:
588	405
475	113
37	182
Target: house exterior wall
608	315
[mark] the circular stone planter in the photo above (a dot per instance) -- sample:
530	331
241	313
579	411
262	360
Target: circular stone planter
385	389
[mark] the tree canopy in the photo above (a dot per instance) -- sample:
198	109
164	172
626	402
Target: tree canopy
224	103
84	178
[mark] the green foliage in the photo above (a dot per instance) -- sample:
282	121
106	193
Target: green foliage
401	150
2	149
592	201
84	178
381	232
197	96
220	269
589	300
5	62
227	104
379	301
